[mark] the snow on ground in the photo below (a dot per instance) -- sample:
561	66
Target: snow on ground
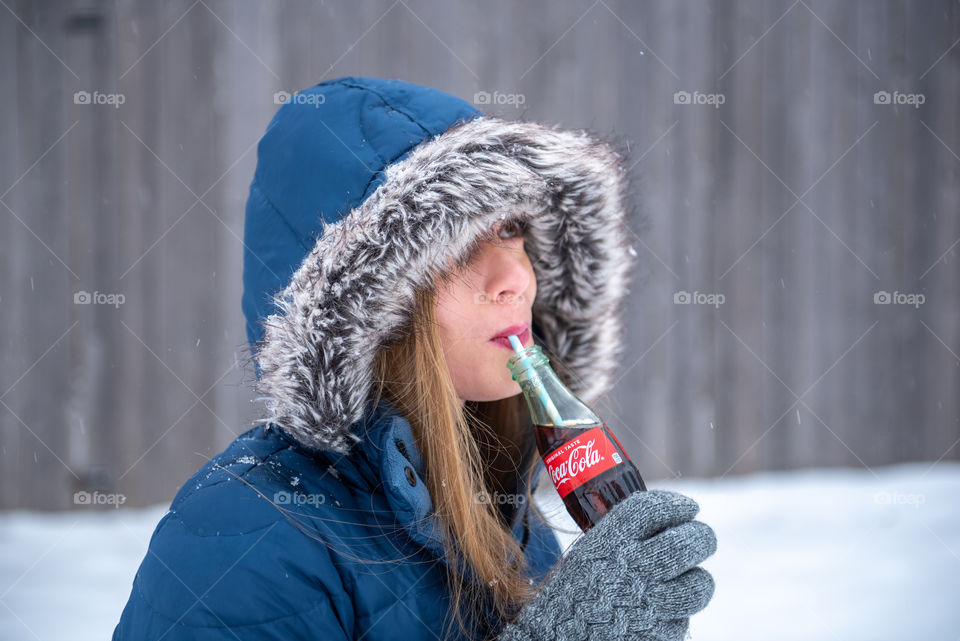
819	554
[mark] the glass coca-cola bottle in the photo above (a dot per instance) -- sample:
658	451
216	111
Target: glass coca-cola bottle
586	462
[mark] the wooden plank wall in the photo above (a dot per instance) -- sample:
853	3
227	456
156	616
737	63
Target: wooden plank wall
796	199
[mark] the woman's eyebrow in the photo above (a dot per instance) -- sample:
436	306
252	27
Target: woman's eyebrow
509	219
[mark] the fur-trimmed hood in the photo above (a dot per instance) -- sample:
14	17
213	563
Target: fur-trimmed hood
366	189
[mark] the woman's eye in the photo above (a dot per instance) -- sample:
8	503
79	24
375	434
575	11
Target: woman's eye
513	229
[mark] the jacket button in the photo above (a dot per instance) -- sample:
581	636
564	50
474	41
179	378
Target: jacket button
403	448
411	477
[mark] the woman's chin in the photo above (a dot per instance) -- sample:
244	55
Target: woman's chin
498	393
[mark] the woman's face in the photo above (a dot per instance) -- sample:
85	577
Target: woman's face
494	292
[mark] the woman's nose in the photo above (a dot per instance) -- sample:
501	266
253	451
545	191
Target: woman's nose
508	275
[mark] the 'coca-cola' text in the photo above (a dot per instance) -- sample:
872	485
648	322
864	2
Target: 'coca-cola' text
581	459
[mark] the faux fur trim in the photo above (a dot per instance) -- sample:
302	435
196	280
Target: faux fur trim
355	289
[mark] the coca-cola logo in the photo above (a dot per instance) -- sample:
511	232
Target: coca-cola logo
581	458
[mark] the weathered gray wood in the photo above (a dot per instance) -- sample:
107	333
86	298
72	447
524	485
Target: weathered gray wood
113	406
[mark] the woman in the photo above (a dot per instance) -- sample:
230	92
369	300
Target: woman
386	494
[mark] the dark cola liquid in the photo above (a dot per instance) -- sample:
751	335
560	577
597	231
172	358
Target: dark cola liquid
590	501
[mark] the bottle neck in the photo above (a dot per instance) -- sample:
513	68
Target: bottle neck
549	400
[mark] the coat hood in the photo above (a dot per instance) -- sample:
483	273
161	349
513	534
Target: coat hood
367	189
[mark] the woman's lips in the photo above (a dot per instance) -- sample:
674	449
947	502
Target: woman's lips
504	342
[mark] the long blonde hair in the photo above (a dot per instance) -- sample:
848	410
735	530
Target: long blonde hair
468	449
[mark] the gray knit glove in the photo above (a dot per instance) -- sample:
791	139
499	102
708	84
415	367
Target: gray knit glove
631	576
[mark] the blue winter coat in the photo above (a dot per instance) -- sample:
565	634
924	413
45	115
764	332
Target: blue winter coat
317	524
